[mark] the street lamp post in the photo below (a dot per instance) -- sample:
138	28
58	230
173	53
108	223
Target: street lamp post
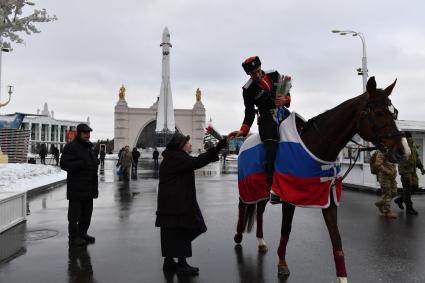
363	70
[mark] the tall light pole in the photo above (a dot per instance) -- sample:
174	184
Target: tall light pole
363	70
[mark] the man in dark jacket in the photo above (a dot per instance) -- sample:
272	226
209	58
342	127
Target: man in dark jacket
55	151
260	91
155	156
178	212
80	161
42	153
135	154
102	155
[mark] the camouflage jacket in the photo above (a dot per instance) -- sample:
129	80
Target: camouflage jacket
409	166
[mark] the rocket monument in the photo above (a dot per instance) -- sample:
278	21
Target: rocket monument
165	113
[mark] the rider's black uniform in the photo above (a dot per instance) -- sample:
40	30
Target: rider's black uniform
255	95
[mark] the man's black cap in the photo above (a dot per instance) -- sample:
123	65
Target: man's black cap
83	128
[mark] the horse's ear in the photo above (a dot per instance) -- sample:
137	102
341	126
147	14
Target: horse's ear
371	85
390	88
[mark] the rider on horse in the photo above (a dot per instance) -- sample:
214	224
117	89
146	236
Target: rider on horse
260	91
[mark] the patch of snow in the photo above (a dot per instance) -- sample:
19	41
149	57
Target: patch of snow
19	177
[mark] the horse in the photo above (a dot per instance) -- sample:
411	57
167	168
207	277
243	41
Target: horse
370	115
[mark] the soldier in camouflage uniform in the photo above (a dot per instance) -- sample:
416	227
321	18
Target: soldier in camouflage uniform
409	179
387	173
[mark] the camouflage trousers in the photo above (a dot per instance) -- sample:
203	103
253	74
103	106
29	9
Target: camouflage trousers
410	184
388	191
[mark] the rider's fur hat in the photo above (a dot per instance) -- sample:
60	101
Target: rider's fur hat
251	64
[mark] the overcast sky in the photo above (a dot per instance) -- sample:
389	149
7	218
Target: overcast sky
78	63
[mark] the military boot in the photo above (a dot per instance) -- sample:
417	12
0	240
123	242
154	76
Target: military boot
411	211
399	202
380	206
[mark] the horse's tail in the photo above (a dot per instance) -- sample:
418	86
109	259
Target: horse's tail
249	217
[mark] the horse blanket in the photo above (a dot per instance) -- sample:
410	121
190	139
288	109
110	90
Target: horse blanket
300	178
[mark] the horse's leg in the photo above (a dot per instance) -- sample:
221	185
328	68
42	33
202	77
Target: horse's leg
240	226
330	216
262	245
287	216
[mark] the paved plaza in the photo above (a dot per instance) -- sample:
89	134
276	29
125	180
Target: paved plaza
127	247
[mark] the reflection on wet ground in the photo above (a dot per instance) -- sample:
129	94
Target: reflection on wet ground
127	247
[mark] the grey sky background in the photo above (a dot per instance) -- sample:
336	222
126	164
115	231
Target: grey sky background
78	63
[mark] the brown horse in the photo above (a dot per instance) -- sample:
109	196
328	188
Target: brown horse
371	116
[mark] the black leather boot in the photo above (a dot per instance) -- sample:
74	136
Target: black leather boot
183	268
77	242
169	265
411	211
88	238
399	202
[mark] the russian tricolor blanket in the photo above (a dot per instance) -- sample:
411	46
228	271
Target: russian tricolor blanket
300	178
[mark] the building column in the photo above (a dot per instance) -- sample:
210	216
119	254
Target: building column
30	141
39	132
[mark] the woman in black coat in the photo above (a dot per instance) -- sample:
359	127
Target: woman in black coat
178	214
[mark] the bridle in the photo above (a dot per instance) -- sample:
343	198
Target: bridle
366	113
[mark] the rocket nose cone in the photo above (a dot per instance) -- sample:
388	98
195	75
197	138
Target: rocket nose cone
165	35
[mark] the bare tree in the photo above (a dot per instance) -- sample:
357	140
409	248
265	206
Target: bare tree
12	20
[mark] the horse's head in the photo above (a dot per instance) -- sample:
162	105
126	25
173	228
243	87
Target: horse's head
377	122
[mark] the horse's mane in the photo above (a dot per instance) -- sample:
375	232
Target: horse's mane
332	112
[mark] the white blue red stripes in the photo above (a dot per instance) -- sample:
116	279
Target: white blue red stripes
300	178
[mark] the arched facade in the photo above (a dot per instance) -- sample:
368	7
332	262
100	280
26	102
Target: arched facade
148	138
134	126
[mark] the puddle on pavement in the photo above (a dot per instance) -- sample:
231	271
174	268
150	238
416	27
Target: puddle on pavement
40	234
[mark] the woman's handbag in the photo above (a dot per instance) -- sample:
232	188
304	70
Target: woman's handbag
120	170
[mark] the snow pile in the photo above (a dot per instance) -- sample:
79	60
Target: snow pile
23	177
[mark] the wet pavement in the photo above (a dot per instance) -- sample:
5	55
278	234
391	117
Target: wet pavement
127	247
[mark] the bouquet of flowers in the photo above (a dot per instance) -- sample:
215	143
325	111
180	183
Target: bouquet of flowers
284	85
212	131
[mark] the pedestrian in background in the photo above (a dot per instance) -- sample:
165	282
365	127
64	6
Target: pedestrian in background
125	161
386	174
155	156
102	155
135	154
409	178
42	153
224	156
178	213
55	152
80	162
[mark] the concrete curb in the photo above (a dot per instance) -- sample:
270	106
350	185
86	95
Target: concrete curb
374	191
42	189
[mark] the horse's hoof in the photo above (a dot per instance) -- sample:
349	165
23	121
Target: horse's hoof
238	238
263	248
283	269
342	280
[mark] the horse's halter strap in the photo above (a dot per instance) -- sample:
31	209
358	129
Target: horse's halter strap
366	114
